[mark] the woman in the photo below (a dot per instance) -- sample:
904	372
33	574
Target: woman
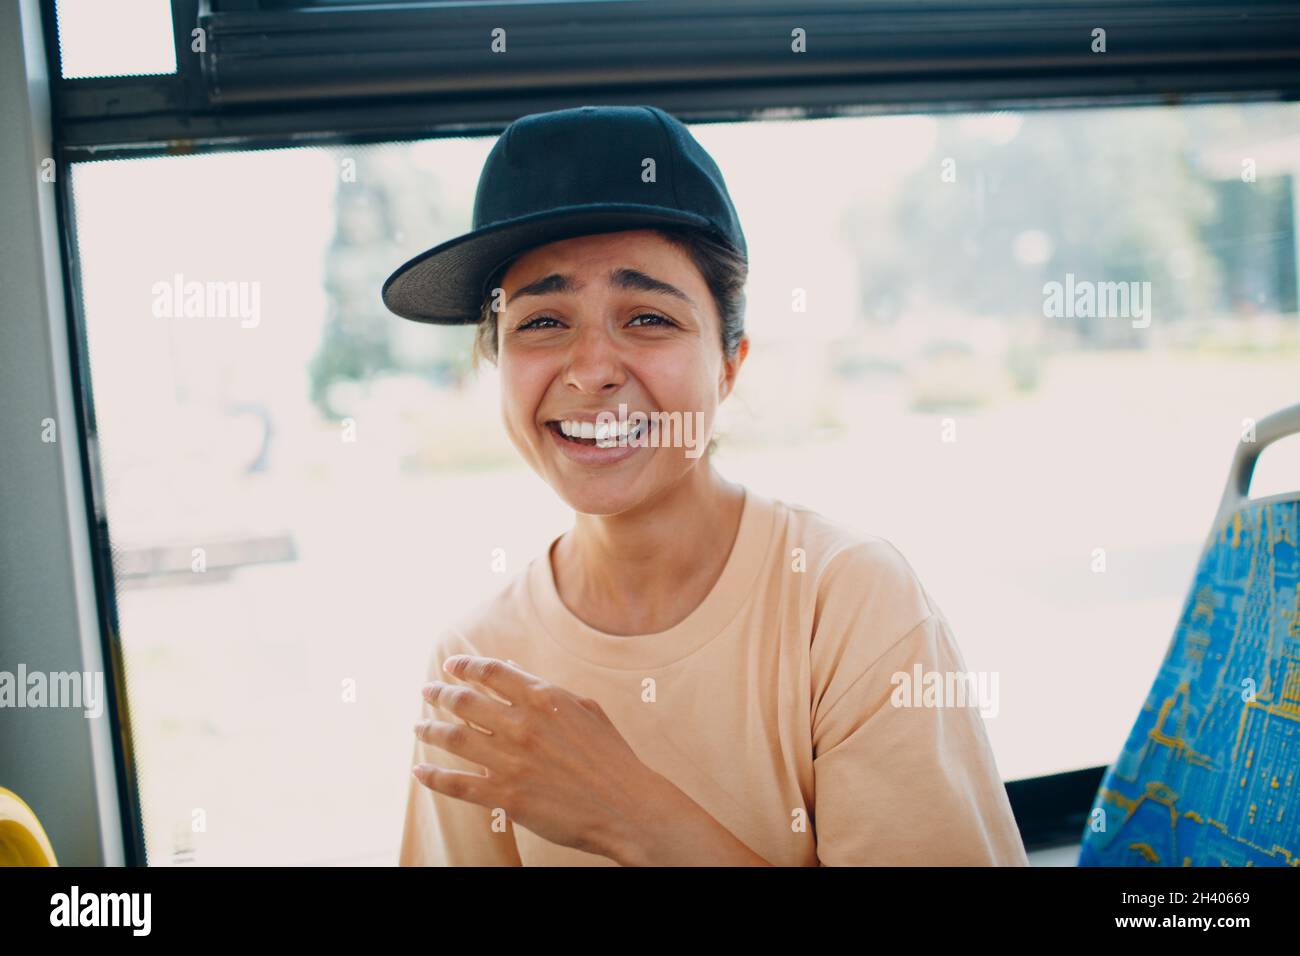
694	674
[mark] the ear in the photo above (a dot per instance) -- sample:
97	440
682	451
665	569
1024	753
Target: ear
731	368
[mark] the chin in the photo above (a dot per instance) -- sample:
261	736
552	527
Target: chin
597	497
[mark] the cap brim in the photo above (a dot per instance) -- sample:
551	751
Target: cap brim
445	284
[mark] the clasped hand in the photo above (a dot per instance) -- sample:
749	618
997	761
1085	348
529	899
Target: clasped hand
553	760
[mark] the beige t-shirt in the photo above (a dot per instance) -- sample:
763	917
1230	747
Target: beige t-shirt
771	708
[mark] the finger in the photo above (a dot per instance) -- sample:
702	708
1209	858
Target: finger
505	677
467	703
460	784
459	739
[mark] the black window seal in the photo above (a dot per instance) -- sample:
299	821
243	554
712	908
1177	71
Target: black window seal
278	77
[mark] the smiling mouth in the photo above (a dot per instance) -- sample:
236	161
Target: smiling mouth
610	438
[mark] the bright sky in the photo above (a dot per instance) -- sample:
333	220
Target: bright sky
115	37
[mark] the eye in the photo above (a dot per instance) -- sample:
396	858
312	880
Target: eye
659	319
532	323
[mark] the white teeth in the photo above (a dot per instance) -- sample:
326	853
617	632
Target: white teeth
627	432
606	434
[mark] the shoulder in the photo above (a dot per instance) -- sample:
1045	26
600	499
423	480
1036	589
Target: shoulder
860	594
848	568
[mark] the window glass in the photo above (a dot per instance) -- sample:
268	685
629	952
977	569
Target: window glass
115	37
301	488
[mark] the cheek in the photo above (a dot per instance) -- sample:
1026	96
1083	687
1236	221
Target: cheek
523	385
685	382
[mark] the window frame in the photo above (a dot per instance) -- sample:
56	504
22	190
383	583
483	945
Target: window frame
879	58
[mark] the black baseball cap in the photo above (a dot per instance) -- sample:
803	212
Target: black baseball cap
562	174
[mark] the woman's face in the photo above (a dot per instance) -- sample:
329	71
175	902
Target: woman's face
596	322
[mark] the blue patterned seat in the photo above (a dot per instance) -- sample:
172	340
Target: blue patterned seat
1208	776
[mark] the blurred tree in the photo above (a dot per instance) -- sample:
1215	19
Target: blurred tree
389	206
1110	195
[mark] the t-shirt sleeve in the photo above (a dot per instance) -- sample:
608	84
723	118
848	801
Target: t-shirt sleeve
441	830
897	784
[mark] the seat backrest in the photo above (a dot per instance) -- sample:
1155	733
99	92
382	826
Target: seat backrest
1210	774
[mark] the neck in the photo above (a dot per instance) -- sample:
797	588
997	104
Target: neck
673	546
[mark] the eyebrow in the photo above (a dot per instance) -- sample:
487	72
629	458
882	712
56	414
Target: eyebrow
633	279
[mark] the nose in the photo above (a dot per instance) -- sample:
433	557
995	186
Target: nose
594	365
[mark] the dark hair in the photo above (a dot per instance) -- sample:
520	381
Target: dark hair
723	268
